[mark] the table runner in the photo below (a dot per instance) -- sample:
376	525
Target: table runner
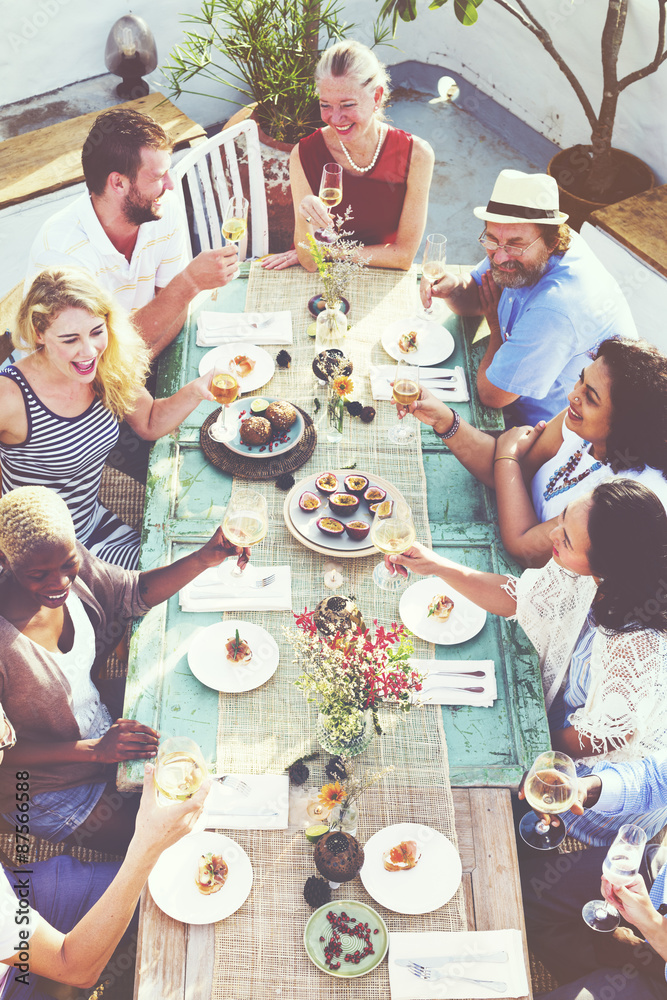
267	729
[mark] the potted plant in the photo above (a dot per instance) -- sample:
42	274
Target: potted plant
589	175
267	50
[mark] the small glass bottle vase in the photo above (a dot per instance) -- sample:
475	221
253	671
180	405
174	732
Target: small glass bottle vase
359	733
331	328
335	414
344	817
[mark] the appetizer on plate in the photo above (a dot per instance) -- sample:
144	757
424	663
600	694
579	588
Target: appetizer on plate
281	414
238	650
403	857
211	874
255	430
407	342
241	365
440	607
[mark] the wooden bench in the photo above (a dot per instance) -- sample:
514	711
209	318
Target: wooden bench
639	223
49	158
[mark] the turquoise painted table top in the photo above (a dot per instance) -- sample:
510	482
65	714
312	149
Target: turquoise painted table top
186	496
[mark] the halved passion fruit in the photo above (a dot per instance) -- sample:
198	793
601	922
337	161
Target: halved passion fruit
384	509
374	506
343	503
374	495
330	526
357	530
326	483
356	485
309	502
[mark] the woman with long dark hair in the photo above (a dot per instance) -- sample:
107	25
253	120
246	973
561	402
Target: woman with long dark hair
597	616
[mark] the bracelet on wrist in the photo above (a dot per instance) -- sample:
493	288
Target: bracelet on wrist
452	430
509	458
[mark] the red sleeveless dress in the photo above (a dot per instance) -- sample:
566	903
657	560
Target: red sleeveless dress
377	197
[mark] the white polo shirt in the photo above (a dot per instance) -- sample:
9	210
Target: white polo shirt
74	237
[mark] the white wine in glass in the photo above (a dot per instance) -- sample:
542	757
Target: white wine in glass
550	787
433	266
619	867
330	193
225	389
235	222
405	391
179	769
246	520
392	532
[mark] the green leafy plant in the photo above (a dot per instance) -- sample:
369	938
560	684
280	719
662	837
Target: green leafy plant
267	50
599	171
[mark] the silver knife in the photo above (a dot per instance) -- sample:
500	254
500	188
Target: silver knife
456	687
457	673
240	812
439	960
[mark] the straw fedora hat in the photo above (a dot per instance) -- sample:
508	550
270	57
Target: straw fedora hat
519	197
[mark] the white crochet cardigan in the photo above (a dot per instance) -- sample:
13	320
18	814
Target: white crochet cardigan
625	705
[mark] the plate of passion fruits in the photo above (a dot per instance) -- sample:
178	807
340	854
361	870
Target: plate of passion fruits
333	511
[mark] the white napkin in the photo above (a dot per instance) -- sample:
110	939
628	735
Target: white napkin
439	689
382	376
267	804
429	944
211	591
215	328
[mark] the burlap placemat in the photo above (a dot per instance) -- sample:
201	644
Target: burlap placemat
267	729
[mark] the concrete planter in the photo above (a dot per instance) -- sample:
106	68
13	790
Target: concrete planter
569	169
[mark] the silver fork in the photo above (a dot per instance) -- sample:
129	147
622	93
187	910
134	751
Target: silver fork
421	972
266	582
232	782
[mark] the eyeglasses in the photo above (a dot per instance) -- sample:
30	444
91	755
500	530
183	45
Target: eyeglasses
493	246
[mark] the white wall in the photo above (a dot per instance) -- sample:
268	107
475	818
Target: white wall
503	59
47	44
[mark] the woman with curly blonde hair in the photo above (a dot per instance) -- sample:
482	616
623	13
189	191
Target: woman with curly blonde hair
61	405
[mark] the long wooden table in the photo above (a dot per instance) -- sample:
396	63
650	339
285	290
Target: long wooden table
486	746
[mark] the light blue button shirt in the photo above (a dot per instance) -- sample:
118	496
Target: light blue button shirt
549	328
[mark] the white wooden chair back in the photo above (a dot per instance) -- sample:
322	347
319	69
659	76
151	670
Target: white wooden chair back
210	174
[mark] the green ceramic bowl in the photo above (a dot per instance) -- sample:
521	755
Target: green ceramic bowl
319	927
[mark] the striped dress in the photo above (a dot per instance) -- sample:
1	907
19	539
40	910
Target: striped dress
67	454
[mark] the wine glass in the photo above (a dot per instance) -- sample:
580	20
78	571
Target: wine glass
225	388
331	193
246	521
550	787
392	531
235	222
433	266
179	769
405	391
619	867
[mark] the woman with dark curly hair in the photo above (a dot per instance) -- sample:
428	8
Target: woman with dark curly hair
615	425
597	616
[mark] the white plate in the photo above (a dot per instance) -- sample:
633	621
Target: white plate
427	886
434	342
220	357
305	522
209	664
465	621
172	881
235	414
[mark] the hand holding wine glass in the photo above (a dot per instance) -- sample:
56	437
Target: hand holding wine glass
405	390
246	522
550	787
225	388
330	194
433	267
392	531
620	867
235	222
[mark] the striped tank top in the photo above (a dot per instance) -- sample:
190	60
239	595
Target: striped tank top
67	454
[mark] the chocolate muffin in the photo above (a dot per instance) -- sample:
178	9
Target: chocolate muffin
255	430
281	414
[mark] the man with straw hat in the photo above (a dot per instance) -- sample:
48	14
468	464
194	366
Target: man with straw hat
547	298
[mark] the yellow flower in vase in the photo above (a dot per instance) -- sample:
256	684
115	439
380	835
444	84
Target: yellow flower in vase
332	795
343	385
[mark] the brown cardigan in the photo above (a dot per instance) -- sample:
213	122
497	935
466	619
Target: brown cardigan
34	692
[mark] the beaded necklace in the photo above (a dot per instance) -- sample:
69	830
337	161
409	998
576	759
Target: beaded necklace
553	490
364	170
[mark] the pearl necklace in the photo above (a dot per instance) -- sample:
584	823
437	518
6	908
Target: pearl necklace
364	170
552	487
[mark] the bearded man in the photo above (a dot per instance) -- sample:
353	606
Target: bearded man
547	298
128	230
